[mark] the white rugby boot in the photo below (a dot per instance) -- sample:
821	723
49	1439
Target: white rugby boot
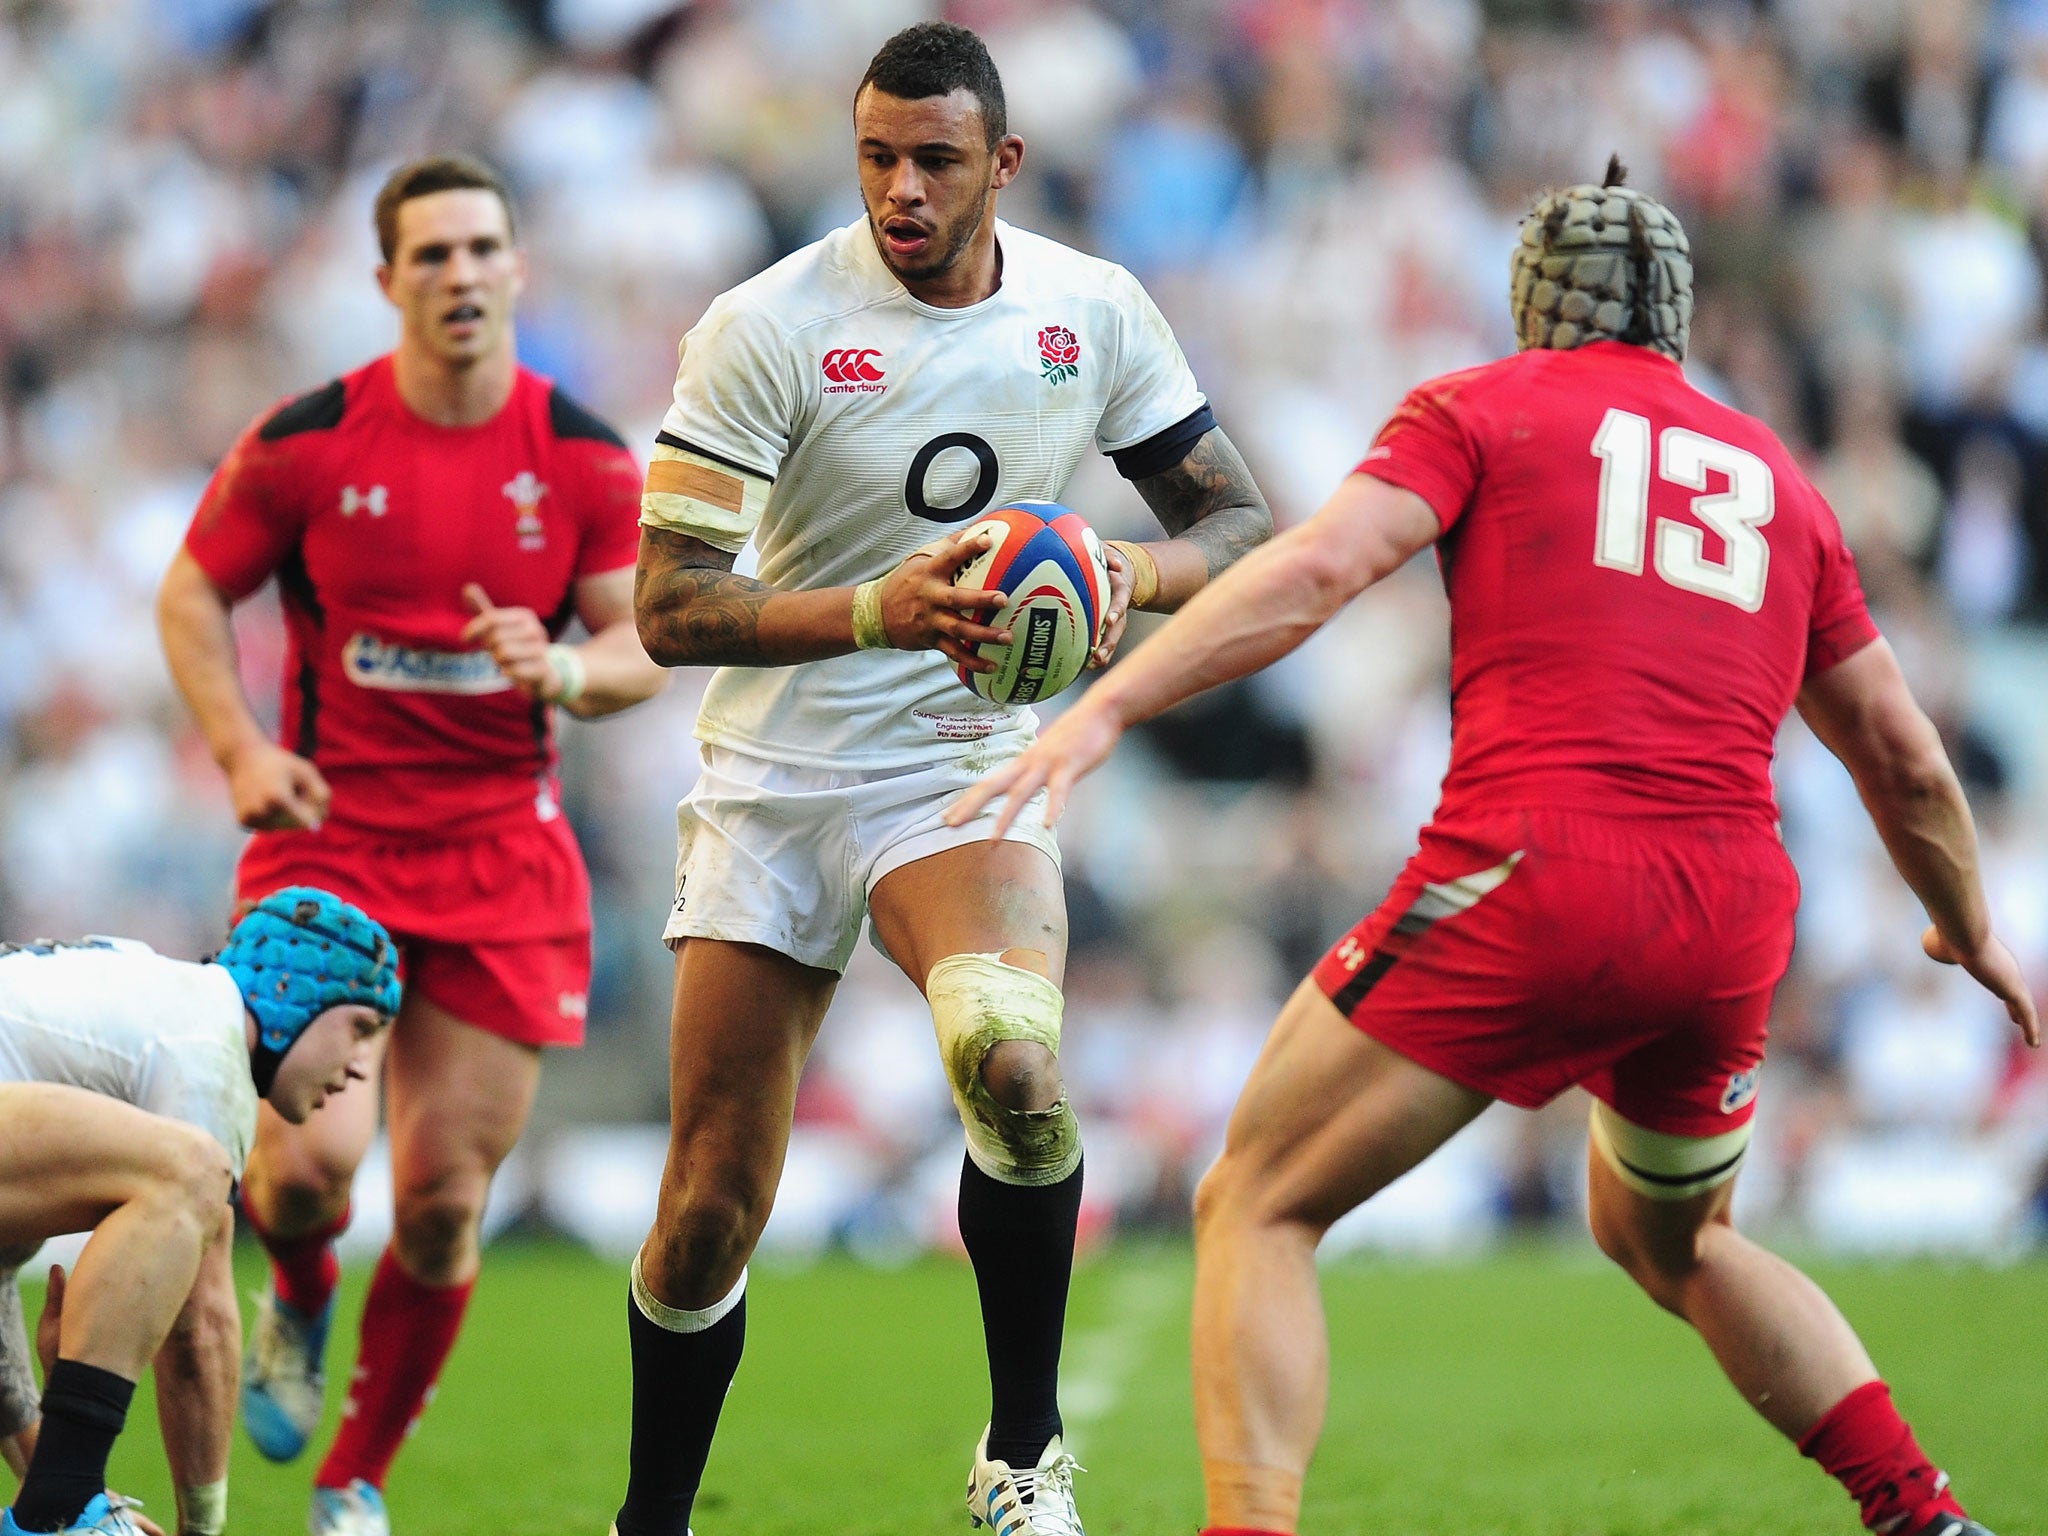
357	1510
283	1390
1037	1501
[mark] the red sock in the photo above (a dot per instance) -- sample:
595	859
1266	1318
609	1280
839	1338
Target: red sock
1865	1446
408	1329
304	1268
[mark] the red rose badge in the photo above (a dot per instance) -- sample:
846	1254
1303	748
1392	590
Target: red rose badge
1059	353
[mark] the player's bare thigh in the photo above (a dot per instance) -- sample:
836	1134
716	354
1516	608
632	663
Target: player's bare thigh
299	1176
69	1157
980	898
743	1021
457	1099
1328	1118
1003	899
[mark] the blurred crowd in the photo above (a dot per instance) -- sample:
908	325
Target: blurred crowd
1322	195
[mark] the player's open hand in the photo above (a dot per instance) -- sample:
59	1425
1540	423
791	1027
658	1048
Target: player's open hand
1069	749
923	610
1118	613
518	643
1998	972
275	790
51	1323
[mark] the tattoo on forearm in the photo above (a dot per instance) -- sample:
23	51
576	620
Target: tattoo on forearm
689	607
1210	500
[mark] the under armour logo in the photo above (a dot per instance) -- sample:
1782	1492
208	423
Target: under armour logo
370	501
1351	954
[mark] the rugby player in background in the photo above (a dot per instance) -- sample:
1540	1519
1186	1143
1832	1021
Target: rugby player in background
435	520
1642	586
843	410
129	1085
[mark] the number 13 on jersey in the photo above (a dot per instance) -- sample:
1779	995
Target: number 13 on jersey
1623	447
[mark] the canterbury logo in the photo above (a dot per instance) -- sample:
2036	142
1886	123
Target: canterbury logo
370	501
853	365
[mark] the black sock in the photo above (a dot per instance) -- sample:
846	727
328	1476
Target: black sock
84	1408
1021	1241
679	1386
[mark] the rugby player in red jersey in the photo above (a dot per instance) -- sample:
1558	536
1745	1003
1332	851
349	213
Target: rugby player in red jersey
1642	586
434	520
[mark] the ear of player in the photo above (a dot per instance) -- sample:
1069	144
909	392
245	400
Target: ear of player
1051	566
298	952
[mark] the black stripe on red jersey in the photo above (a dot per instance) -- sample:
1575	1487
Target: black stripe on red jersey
572	423
318	410
1353	992
295	586
670	440
1162	450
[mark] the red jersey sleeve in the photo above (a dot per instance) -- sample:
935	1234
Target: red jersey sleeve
1841	624
249	518
611	483
1427	446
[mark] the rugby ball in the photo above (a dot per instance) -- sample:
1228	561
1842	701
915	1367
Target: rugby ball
1050	565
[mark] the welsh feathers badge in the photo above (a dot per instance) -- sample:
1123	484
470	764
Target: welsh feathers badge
1059	354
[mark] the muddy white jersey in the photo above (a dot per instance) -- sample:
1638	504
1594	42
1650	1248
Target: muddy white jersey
840	423
114	1017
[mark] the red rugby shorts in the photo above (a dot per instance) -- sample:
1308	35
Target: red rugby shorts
1521	954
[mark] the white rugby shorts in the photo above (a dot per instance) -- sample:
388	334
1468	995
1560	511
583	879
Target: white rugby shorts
773	854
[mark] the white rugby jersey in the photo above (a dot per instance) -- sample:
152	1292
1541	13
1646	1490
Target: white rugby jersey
866	423
115	1017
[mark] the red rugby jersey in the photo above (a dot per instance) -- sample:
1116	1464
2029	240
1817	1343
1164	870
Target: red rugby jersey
1640	580
373	520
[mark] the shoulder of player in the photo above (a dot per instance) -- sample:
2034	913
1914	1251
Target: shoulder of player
1054	272
317	410
569	420
310	418
819	283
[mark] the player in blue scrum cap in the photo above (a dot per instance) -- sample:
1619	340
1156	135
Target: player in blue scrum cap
128	1091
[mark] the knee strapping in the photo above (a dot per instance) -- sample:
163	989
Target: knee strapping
1659	1166
978	1002
19	1403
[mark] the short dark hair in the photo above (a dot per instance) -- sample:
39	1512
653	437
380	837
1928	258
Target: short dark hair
436	173
937	58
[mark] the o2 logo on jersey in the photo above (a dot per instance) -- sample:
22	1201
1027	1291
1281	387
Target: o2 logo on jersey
853	371
987	472
524	490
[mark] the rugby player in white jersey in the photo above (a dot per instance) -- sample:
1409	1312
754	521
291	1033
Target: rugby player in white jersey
128	1091
843	410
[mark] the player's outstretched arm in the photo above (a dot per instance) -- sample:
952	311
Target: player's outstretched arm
1211	506
692	609
272	788
1253	614
1864	712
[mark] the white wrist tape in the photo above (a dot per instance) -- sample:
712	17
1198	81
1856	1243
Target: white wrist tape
570	672
869	632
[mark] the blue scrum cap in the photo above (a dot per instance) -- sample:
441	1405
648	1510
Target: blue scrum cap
299	952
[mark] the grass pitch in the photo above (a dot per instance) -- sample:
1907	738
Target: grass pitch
1529	1394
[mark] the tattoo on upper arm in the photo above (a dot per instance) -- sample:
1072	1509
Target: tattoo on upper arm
689	607
1210	500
